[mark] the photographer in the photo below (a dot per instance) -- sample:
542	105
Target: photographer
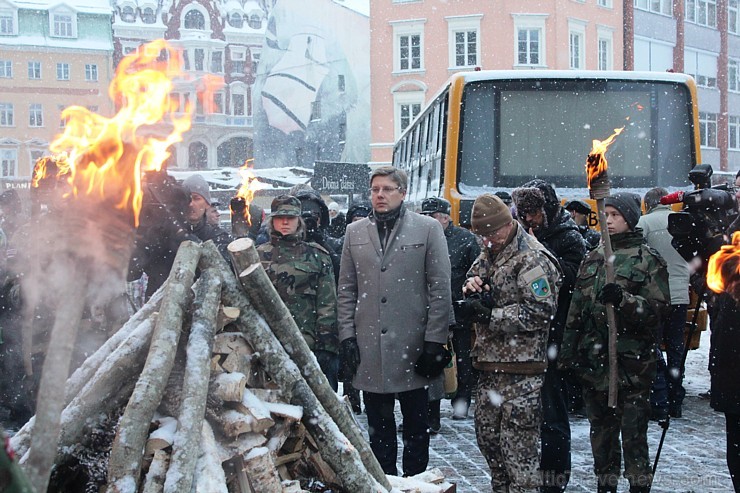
515	280
315	214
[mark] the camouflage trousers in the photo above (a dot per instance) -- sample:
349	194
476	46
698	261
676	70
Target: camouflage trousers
508	414
630	417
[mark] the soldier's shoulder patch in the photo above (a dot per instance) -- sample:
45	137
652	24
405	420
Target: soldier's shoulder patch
536	281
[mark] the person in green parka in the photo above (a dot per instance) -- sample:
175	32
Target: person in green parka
640	297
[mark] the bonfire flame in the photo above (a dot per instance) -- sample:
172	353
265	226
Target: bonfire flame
723	271
107	156
596	164
249	186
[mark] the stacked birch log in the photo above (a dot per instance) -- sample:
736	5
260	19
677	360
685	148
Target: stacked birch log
240	406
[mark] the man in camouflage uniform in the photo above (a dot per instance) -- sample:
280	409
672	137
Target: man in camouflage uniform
640	296
302	274
517	280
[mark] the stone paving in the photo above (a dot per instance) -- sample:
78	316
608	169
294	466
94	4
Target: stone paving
692	459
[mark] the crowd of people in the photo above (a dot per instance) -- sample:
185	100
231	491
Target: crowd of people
384	296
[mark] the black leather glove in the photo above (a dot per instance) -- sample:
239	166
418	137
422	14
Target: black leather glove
349	359
611	293
433	360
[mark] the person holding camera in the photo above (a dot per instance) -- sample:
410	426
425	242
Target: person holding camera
315	214
511	296
463	249
302	275
640	297
394	314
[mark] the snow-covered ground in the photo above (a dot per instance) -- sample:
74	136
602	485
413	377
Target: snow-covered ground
692	458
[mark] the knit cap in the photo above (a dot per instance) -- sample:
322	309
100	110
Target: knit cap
197	184
489	214
628	204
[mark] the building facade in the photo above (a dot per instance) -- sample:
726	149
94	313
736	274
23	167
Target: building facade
51	57
700	38
417	44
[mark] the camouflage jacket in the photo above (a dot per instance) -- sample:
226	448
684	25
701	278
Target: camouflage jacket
524	279
643	276
303	276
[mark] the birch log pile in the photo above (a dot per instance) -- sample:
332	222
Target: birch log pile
208	390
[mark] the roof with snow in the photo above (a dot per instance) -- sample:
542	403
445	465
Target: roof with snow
82	6
359	6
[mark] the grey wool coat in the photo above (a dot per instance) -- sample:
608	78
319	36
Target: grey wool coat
395	300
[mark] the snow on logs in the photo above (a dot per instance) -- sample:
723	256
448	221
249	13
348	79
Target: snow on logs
238	404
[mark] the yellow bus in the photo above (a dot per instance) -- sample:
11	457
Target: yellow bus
487	131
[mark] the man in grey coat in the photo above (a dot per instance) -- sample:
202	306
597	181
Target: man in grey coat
394	310
654	226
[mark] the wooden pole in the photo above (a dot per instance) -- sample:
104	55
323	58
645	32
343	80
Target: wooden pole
195	384
126	453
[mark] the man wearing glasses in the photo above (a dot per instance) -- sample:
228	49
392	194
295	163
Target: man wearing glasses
515	280
394	315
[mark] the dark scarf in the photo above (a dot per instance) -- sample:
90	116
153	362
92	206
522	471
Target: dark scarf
386	222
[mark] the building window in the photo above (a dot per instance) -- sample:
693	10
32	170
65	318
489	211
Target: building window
7	24
652	56
702	67
236	20
408	112
200	56
606	57
148	16
604	3
6	115
128	14
340	83
63	25
702	12
528	46
316	110
35	115
664	7
6	69
733	24
576	50
8	162
466	49
708	129
409	54
195	20
62	120
218	103
34	70
217	62
254	21
92	108
91	72
62	71
733	76
237	104
734	128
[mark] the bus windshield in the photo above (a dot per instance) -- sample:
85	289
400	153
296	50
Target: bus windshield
515	130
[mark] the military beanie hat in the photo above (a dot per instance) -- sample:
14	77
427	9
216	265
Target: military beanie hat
529	199
628	204
489	214
434	204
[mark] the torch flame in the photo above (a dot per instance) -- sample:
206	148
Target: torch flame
723	271
596	163
249	186
107	156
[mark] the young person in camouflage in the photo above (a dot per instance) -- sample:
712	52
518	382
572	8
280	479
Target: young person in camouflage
518	281
303	276
640	296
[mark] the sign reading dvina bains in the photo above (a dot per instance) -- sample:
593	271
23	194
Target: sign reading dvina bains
344	178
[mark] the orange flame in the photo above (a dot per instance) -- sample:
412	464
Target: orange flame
723	271
107	156
596	163
249	186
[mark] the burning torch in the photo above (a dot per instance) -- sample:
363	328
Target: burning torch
241	218
599	189
723	271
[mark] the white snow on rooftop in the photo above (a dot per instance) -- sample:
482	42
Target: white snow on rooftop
82	6
229	178
359	6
